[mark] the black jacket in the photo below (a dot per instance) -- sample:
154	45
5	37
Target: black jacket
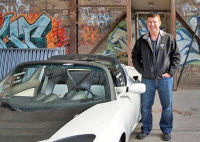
168	56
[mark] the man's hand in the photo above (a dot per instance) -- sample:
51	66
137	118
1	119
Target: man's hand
166	75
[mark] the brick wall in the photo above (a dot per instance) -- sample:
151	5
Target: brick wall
102	2
93	24
95	21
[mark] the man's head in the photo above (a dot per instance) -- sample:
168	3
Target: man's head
153	22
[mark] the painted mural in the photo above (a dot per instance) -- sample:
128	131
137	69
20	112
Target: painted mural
117	40
190	12
184	40
21	29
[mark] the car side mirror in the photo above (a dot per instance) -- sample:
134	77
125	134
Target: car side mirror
137	88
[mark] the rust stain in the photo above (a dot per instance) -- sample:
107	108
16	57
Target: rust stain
185	113
194	109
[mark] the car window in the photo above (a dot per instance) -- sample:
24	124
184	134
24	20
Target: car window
44	86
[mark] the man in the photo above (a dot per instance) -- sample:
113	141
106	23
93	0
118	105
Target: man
156	56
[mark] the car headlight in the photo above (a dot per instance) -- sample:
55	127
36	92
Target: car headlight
78	138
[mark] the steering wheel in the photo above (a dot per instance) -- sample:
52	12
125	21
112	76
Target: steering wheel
85	88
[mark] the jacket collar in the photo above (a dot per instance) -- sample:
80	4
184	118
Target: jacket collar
161	33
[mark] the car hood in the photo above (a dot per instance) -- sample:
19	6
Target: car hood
34	126
106	121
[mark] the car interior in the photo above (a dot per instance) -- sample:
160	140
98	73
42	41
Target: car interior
50	87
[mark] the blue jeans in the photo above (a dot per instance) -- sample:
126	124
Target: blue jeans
164	87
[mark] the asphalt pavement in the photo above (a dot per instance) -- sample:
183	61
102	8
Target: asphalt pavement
186	127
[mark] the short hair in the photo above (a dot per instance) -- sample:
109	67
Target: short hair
153	14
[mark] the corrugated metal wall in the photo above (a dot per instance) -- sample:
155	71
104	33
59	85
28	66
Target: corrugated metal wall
9	58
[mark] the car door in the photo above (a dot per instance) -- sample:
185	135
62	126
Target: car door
131	98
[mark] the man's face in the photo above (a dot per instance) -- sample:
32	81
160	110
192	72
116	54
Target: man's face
153	24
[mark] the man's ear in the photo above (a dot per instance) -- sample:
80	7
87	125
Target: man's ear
160	22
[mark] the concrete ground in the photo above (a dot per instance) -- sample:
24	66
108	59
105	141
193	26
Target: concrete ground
186	107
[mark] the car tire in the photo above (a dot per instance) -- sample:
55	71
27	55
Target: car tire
123	138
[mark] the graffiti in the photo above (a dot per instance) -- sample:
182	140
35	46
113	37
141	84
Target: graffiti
193	23
183	39
20	8
57	36
189	10
117	40
1	19
95	22
142	26
32	31
20	30
95	17
90	34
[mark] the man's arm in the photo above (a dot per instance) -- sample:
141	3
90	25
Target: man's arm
136	57
175	58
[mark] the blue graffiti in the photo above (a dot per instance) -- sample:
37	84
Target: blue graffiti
184	40
142	26
21	34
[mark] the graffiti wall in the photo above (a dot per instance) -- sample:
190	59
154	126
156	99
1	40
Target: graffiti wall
117	40
188	9
184	38
191	9
94	22
26	25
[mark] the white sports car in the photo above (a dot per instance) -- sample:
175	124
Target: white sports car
70	98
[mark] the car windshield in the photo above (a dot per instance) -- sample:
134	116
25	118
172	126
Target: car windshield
45	86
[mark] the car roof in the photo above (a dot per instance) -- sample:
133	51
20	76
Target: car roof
105	60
